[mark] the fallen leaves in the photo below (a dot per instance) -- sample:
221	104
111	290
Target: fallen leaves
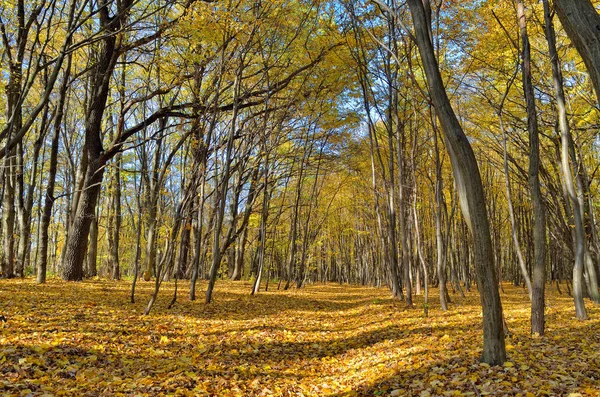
86	339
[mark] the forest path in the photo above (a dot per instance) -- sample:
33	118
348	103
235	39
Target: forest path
87	339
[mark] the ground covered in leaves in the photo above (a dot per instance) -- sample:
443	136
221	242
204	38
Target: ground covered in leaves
87	339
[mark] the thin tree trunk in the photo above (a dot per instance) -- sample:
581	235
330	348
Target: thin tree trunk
263	228
221	195
439	237
565	166
539	212
8	218
53	163
92	253
421	256
138	245
509	201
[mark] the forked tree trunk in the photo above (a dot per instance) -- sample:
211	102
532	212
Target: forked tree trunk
75	250
221	194
509	200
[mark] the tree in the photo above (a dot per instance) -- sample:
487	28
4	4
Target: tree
470	189
566	160
539	213
581	20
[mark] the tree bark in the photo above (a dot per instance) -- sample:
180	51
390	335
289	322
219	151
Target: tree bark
221	195
565	165
108	54
92	253
8	219
582	24
470	188
53	165
539	212
439	237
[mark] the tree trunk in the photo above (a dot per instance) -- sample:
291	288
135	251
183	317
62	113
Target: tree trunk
581	22
470	188
77	243
221	194
262	237
539	212
75	249
114	232
198	236
8	219
439	237
49	197
565	166
92	253
509	200
53	165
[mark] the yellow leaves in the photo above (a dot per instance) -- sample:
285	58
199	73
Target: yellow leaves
322	340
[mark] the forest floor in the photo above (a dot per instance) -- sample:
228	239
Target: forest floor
87	339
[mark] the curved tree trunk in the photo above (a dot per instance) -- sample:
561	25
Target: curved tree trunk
581	22
565	167
470	189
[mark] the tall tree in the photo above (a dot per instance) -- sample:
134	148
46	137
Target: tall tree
470	189
568	162
539	213
581	21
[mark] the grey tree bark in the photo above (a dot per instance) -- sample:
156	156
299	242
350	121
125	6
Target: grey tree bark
582	24
53	165
439	237
539	211
565	166
221	195
470	189
92	252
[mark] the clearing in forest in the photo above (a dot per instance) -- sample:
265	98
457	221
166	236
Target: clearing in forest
324	340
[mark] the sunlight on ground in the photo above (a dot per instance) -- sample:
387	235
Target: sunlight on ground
87	339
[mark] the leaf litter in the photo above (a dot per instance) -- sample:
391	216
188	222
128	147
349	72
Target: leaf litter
86	339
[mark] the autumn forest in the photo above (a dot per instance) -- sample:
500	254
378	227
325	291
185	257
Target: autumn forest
300	198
